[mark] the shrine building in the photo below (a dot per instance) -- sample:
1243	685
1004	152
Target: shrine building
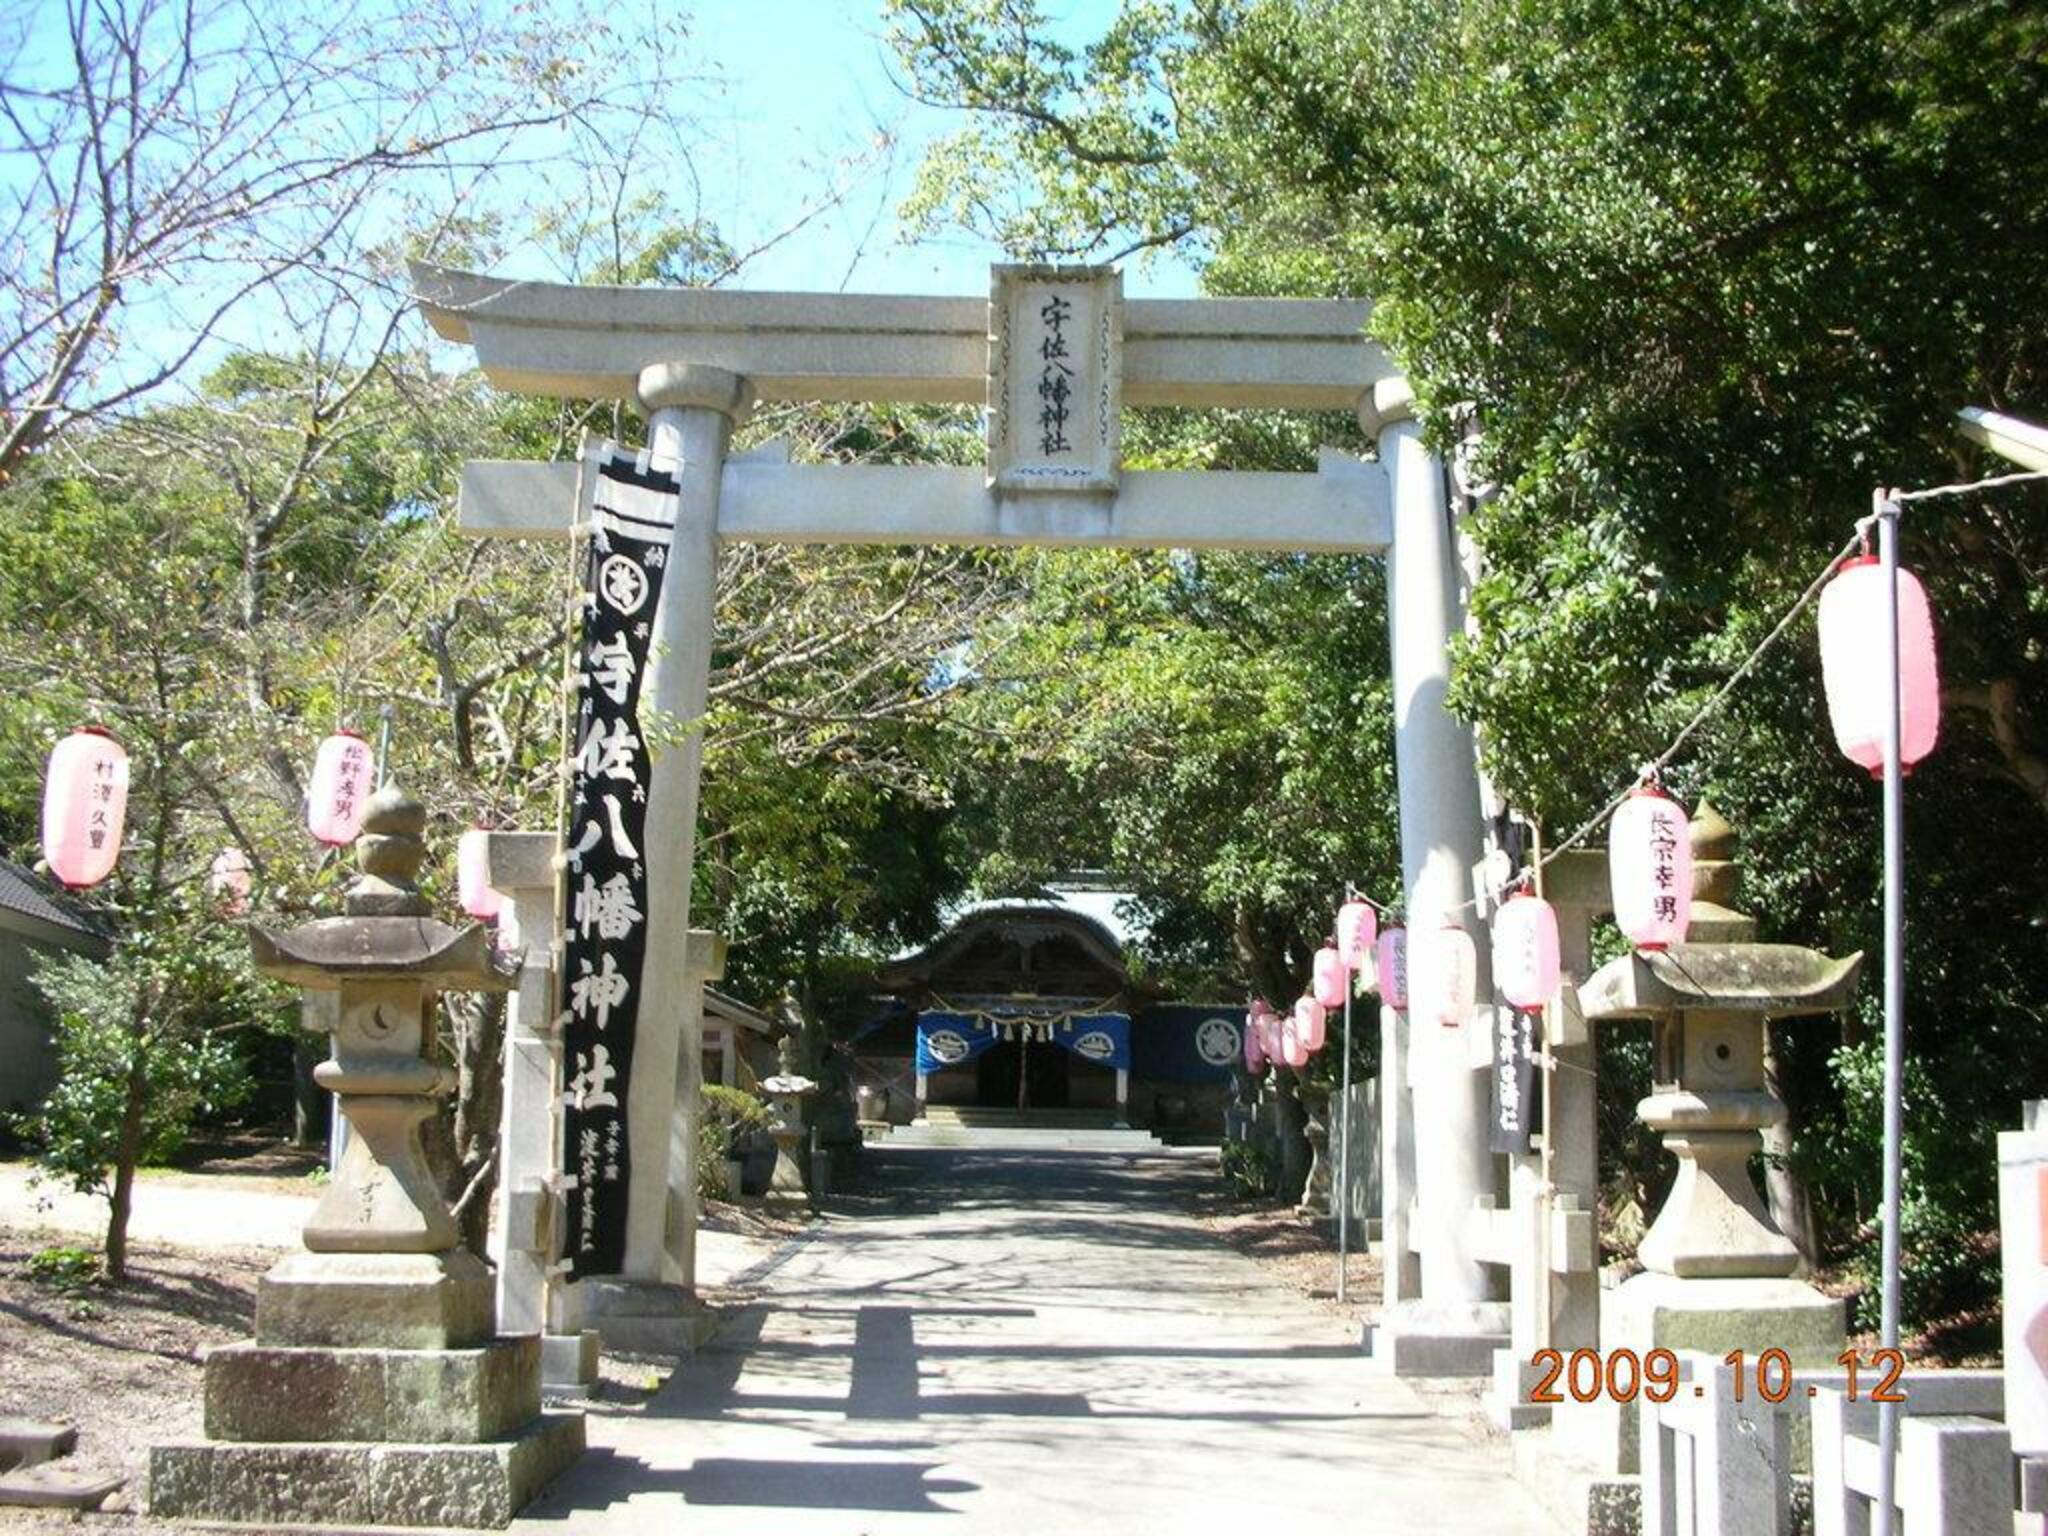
1023	1012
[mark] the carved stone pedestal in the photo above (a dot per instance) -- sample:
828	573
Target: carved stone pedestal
374	1392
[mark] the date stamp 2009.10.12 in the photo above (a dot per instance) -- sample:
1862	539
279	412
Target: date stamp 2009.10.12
1623	1375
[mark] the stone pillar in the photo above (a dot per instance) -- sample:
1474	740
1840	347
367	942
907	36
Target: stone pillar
2023	1259
377	1391
691	411
1400	1271
1123	1097
1555	1278
1454	1324
1315	1189
526	1237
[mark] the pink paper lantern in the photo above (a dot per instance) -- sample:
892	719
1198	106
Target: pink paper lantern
1312	1023
85	805
1852	641
340	790
230	882
1525	962
1450	976
473	877
1390	966
1357	930
1293	1048
1254	1046
1649	869
1269	1033
1258	1026
1332	978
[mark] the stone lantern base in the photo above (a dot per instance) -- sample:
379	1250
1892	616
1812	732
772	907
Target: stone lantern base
1653	1311
406	1437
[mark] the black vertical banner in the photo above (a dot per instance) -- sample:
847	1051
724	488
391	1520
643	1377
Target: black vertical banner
632	517
1517	1105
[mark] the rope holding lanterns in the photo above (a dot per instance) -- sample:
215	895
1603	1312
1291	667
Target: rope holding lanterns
85	806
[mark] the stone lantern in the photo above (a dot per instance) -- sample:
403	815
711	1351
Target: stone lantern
375	1391
786	1091
1717	1270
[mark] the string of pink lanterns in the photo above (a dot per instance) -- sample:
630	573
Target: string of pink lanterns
1649	845
85	806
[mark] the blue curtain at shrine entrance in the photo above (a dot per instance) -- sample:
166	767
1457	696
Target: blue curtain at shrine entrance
951	1040
1103	1038
955	1039
1191	1042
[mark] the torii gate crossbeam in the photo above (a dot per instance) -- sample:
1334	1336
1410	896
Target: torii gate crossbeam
695	360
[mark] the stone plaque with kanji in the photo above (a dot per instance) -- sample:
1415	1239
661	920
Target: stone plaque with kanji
1055	378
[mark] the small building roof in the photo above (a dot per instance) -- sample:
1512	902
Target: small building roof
1095	902
723	1006
32	906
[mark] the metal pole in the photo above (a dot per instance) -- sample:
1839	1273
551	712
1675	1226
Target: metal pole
383	775
1344	1145
1894	1002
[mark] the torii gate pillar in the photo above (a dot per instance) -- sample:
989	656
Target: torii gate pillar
693	359
691	411
1451	1327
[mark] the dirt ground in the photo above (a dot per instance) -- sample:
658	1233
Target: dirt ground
120	1362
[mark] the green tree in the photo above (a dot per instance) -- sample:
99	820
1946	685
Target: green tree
1709	272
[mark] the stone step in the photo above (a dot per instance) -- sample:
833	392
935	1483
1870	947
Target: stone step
49	1487
30	1442
468	1486
971	1114
1023	1138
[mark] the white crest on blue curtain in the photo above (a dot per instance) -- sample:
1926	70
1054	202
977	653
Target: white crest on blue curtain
1095	1045
948	1045
1219	1041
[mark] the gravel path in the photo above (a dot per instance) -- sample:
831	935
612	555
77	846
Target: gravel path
1020	1343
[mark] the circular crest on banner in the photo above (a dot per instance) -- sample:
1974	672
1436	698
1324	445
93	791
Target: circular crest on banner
947	1045
623	583
1219	1041
1096	1045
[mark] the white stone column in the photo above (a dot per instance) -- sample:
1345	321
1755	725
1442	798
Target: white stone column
521	867
1123	1096
691	410
1401	1278
1440	846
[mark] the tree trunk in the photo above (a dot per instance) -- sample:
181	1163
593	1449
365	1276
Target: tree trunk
127	1152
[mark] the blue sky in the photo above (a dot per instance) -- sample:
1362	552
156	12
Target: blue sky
808	83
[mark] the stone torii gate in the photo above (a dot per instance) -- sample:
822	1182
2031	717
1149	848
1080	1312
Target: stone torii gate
1054	354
